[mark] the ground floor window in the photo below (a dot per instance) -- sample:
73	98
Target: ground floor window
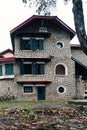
28	89
61	89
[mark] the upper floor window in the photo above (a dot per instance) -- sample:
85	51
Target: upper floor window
32	68
60	45
27	43
60	69
6	70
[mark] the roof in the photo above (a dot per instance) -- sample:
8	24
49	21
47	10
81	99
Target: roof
78	46
3	60
53	19
6	51
43	17
34	81
79	62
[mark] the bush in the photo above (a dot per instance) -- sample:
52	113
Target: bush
7	97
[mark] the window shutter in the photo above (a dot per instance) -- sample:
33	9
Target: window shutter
36	68
42	68
21	44
33	44
0	70
41	44
21	68
9	69
33	69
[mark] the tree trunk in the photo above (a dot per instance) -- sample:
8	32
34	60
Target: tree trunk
79	24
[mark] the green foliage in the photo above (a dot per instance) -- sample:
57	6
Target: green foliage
7	97
42	6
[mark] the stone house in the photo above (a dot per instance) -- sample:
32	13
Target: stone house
6	73
45	65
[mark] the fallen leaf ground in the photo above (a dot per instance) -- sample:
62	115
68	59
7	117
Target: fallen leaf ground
43	116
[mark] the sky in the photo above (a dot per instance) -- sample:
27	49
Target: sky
14	12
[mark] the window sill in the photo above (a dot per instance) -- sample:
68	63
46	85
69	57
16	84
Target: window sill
33	75
7	77
28	93
61	75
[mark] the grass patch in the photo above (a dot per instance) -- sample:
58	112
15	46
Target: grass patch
22	104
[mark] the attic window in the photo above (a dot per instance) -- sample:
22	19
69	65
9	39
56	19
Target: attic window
42	29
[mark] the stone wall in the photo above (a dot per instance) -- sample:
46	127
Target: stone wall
60	56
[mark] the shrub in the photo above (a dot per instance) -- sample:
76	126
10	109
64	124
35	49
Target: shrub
7	97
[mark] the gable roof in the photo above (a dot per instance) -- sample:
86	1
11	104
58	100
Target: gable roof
6	51
44	17
6	60
53	19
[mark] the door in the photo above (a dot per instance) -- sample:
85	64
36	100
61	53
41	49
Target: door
41	93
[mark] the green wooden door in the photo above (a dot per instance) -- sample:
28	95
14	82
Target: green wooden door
41	93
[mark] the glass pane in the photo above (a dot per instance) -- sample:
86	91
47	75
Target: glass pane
28	89
39	44
27	68
9	69
61	89
0	70
60	69
25	44
39	69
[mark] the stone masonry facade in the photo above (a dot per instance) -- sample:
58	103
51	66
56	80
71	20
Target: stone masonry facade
60	86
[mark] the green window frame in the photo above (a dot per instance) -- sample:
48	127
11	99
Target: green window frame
0	70
39	45
8	69
25	44
39	69
31	43
32	68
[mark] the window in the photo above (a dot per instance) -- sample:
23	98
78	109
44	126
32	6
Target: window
39	44
8	69
27	68
61	89
60	69
32	68
0	70
59	45
28	89
27	43
39	69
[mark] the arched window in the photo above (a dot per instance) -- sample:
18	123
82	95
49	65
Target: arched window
60	69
